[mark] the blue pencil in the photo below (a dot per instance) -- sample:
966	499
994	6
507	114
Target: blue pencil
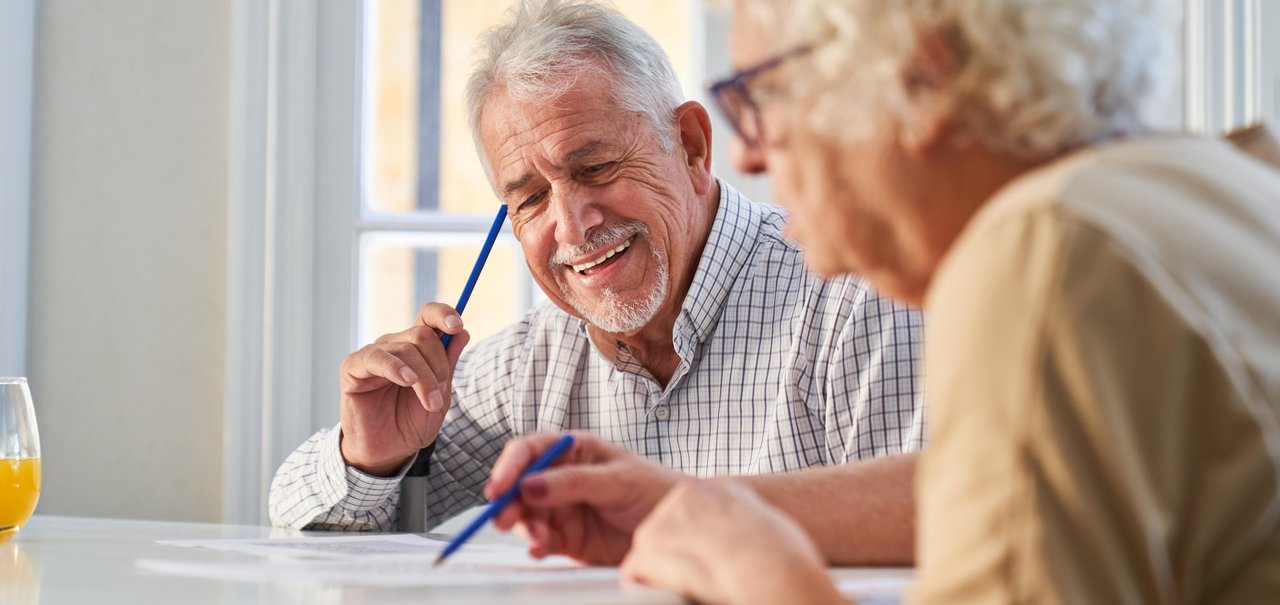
475	271
559	447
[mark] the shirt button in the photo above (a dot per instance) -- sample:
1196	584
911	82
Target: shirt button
661	412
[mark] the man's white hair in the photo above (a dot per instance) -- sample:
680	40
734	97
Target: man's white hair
544	46
1033	77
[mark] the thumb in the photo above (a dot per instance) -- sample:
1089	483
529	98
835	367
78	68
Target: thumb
456	343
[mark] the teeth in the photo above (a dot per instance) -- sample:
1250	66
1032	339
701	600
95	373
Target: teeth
608	255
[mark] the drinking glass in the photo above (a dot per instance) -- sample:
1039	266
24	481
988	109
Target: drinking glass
19	456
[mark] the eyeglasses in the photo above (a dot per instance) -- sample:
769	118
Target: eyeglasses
733	96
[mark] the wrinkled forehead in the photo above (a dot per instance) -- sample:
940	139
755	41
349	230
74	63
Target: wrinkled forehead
515	133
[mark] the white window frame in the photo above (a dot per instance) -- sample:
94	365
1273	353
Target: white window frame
1232	69
17	61
294	226
294	171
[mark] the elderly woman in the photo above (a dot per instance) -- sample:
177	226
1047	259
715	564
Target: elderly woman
1103	343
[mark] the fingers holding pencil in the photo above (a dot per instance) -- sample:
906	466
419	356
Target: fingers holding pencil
448	324
489	239
396	391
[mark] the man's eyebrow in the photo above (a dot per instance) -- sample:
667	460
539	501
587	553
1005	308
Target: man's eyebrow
581	152
514	185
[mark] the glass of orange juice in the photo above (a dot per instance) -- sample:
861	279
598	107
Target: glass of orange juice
19	456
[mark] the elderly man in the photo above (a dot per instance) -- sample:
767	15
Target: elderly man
684	327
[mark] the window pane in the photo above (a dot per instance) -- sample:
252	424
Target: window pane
400	272
393	84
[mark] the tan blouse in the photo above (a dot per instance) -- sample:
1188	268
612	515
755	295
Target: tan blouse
1102	362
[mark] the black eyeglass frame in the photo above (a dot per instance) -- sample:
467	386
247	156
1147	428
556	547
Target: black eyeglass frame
738	83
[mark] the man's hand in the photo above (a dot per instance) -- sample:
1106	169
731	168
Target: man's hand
586	505
395	392
717	541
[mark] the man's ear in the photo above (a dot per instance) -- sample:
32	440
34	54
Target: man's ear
928	82
693	126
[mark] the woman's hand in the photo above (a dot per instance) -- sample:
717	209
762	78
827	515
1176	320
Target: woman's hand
717	541
585	505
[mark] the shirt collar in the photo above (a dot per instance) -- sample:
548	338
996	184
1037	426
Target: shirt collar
729	246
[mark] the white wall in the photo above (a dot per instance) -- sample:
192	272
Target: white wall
17	54
127	300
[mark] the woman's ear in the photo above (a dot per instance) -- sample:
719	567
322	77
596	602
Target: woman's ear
693	126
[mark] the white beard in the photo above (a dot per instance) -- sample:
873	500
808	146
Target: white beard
614	313
617	315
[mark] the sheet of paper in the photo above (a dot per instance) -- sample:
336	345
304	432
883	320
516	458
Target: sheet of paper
375	560
385	572
874	586
357	546
406	561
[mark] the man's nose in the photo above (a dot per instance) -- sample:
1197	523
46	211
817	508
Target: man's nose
748	159
576	213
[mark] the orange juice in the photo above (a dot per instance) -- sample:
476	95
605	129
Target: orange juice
19	490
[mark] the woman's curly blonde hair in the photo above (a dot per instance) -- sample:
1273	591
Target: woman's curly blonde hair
1032	77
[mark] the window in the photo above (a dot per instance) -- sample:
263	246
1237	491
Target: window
425	205
1268	44
1232	63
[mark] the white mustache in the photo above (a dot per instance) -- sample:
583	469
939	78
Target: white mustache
600	239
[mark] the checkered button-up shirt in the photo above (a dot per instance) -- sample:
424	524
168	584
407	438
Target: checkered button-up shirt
779	371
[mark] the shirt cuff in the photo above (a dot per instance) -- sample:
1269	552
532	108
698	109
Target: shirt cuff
349	488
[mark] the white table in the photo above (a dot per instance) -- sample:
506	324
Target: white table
76	560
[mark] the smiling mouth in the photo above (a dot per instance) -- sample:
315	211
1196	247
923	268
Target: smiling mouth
608	256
